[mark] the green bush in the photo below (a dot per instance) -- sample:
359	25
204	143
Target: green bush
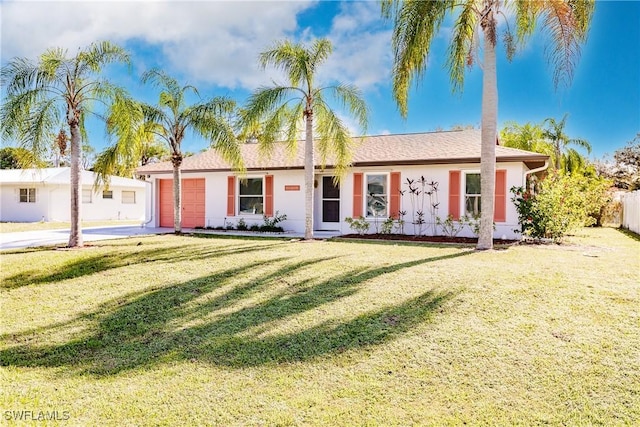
359	225
562	204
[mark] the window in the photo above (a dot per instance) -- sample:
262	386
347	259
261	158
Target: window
250	196
86	196
377	195
472	194
107	194
128	197
27	195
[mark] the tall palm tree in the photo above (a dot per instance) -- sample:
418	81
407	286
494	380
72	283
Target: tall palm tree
555	134
416	24
133	122
284	110
58	87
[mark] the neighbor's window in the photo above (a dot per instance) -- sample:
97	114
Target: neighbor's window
86	196
107	194
128	197
250	196
377	195
27	195
472	194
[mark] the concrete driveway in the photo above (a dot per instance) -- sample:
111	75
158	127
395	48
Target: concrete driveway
30	239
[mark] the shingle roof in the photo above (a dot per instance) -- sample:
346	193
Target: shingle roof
59	176
405	149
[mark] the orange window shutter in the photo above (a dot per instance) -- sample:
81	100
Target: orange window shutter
268	195
500	196
357	195
231	196
394	196
454	194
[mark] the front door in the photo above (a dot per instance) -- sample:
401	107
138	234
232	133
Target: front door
330	204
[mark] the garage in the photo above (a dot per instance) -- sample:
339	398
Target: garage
193	200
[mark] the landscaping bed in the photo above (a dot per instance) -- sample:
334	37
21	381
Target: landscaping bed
431	239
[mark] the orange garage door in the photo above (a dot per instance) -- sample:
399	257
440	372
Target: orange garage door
192	203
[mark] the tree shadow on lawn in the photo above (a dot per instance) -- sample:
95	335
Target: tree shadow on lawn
115	259
147	330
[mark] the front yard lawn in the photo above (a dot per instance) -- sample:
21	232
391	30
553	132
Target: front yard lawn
186	331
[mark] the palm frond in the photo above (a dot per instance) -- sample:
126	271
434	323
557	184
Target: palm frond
415	25
290	58
567	24
461	50
582	143
351	98
171	94
262	103
38	134
99	54
333	138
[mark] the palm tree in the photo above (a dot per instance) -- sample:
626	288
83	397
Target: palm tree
562	153
416	24
41	95
129	151
282	111
133	123
525	137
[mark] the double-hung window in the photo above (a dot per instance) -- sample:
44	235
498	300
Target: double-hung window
472	194
86	196
377	195
107	194
251	196
27	195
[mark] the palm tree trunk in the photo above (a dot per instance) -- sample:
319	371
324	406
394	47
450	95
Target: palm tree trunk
177	197
488	150
309	166
75	235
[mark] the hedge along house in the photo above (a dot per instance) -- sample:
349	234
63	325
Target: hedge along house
29	195
376	186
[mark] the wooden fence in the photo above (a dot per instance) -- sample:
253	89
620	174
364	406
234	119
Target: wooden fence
631	211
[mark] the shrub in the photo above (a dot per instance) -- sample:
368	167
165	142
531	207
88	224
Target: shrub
359	225
387	226
242	225
450	227
563	204
270	224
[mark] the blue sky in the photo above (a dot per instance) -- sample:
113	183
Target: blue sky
214	46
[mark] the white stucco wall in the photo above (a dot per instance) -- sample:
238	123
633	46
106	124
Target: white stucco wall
53	204
12	210
291	203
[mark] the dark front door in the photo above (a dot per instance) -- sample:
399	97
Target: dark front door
330	200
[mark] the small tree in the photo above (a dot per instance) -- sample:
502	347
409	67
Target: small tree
284	111
58	87
169	120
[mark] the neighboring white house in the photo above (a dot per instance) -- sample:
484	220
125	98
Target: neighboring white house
376	186
28	195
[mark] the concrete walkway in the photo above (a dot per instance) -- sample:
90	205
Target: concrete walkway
32	239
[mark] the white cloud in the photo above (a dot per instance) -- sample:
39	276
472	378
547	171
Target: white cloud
211	41
362	46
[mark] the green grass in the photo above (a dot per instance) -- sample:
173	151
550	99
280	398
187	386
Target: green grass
178	330
13	227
